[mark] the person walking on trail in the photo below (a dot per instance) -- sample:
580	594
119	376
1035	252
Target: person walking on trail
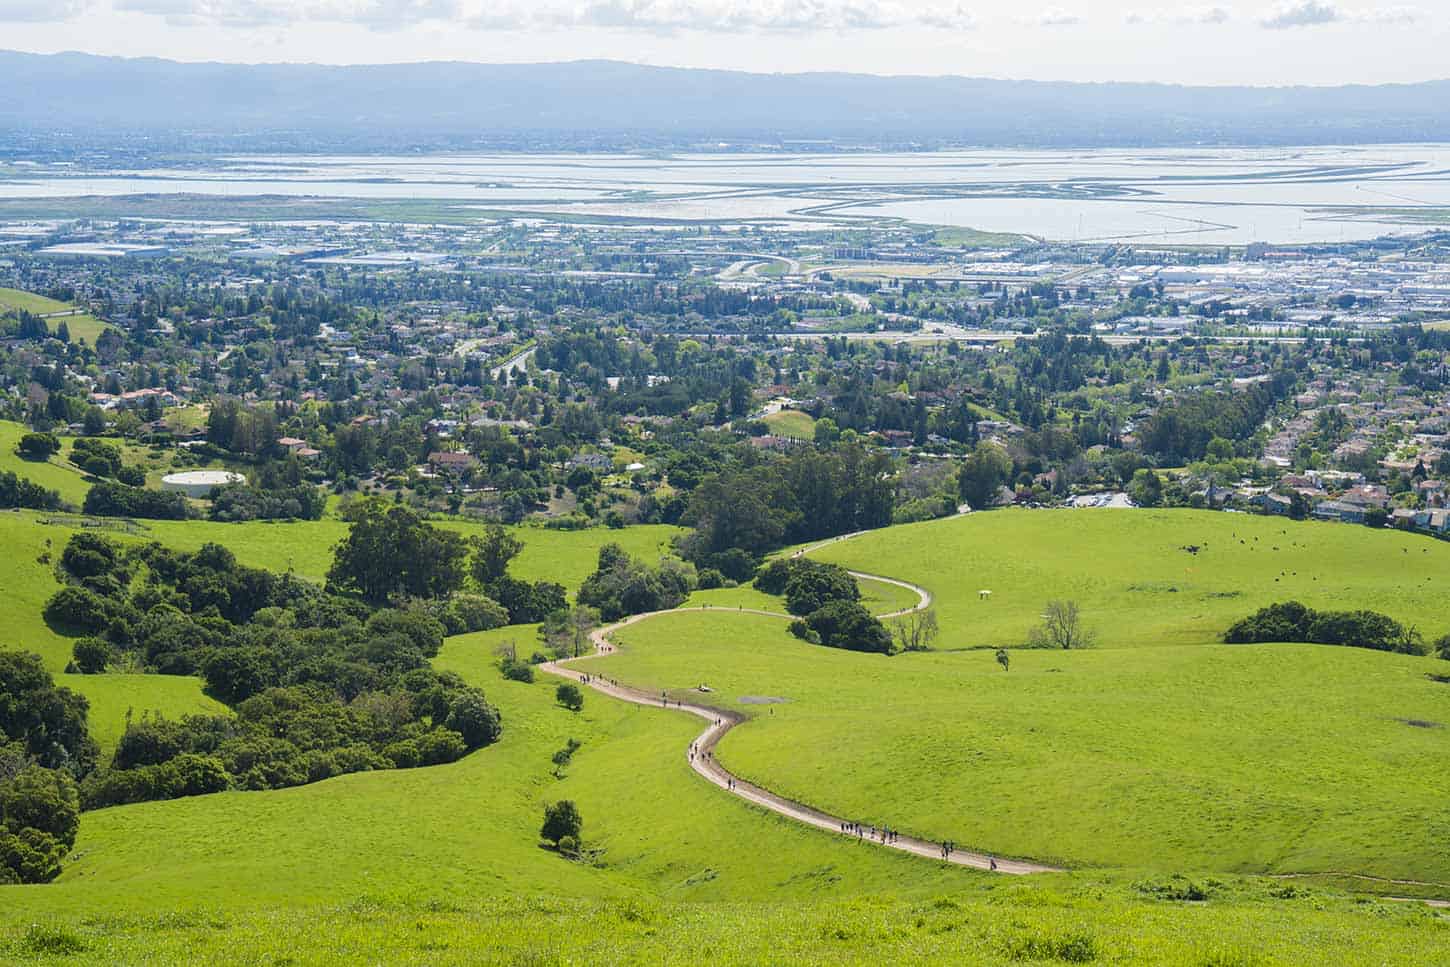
992	861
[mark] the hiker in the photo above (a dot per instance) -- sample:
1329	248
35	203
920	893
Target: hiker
992	862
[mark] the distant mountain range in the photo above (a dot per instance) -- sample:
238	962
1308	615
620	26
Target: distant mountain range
603	102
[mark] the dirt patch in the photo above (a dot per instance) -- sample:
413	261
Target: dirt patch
762	700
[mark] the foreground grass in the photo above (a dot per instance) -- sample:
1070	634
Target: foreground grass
458	832
1273	758
1136	583
1241	923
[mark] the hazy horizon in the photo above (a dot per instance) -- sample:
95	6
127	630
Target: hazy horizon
1444	75
1289	43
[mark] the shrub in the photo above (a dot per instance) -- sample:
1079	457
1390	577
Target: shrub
403	754
20	492
108	499
1077	947
569	696
473	720
845	624
77	609
517	671
1292	621
440	746
561	819
91	655
38	446
812	586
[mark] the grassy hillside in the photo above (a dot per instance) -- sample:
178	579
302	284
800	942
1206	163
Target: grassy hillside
1136	583
82	326
1129	764
1230	758
793	424
57	473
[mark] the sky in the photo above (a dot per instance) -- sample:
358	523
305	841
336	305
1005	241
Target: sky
1261	43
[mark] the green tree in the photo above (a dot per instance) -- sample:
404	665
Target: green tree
845	624
393	552
492	553
47	721
473	718
561	819
38	446
1146	489
567	630
91	655
983	474
569	696
813	585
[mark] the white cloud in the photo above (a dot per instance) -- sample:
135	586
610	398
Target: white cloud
1317	13
738	16
660	16
382	14
1301	13
1055	17
1181	15
41	11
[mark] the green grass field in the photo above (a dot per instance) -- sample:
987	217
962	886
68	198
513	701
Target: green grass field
57	473
81	326
793	424
1156	753
1136	584
1243	924
1225	758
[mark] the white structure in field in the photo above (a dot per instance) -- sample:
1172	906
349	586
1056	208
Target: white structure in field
199	483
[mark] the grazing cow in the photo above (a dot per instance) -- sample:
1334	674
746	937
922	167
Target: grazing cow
983	595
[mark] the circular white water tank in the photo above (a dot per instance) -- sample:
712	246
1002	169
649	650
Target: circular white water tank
199	483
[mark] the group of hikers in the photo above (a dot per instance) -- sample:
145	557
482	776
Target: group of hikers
863	831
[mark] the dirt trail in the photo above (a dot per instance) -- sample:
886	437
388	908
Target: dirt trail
721	721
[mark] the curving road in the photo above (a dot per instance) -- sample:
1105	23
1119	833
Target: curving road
701	753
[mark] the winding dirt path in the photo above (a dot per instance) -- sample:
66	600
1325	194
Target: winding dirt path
701	754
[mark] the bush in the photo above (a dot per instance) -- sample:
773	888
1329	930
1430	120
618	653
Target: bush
38	446
473	720
440	746
517	671
19	492
92	655
77	609
845	624
569	696
1292	621
561	819
403	754
108	499
812	586
711	579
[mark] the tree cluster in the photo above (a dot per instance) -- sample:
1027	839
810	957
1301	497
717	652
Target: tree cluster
239	502
623	585
320	684
20	492
1292	621
44	745
112	499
